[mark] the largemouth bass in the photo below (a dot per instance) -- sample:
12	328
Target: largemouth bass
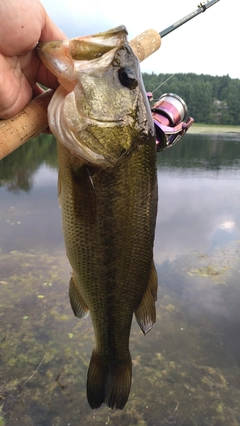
108	193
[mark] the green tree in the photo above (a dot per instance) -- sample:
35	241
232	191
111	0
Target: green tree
210	99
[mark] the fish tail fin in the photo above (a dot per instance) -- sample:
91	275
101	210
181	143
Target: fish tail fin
108	382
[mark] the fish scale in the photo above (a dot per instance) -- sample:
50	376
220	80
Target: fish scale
108	195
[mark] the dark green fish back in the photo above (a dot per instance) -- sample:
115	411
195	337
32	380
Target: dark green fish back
109	241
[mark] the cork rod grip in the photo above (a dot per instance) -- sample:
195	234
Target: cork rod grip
26	125
145	44
32	120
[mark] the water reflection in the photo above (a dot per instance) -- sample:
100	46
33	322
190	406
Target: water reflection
17	170
186	371
196	199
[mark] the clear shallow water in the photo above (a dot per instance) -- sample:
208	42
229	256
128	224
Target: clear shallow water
186	371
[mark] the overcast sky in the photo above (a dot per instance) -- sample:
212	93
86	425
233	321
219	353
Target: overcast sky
207	44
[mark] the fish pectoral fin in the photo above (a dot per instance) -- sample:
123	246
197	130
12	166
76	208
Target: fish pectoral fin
85	200
59	191
108	382
78	305
146	311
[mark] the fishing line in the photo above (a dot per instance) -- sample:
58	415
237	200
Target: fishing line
163	82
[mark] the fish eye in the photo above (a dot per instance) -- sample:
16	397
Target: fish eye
127	77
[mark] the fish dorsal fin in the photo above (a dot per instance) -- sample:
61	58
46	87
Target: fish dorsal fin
78	305
146	311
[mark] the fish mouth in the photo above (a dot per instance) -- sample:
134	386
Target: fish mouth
76	120
64	58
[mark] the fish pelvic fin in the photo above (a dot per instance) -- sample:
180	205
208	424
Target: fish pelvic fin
108	382
78	305
146	311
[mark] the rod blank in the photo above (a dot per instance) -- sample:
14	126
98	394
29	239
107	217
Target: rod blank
201	8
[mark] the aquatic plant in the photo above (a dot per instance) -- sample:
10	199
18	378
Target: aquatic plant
2	422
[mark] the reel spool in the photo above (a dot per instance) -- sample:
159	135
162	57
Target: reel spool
169	114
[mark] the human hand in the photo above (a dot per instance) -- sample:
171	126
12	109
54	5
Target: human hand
23	24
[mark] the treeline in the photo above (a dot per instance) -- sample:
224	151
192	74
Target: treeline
210	100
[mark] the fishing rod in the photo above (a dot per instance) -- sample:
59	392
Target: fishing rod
150	41
202	7
33	120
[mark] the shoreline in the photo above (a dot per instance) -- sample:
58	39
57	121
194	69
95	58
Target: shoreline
213	128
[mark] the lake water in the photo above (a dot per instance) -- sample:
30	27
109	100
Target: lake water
186	371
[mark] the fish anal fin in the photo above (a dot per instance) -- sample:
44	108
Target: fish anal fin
78	305
146	311
108	382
